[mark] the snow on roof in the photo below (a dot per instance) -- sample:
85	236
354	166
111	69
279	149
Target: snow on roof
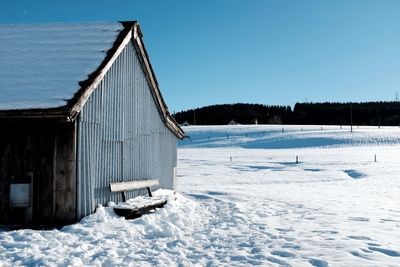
41	65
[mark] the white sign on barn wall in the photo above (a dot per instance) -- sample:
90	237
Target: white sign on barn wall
20	195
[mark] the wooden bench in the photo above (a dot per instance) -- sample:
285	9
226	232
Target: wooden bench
122	187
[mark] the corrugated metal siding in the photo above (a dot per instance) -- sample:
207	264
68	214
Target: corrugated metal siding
121	136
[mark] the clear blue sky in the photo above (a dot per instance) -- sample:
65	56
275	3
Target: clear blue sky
257	51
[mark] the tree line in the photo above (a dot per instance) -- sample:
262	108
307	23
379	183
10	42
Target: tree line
366	113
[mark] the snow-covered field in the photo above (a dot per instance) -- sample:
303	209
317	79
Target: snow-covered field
243	200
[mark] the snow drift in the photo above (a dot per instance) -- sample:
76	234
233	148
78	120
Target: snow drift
288	136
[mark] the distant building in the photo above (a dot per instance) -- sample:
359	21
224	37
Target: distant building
232	122
80	107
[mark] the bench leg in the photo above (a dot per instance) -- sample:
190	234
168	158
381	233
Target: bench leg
123	196
149	191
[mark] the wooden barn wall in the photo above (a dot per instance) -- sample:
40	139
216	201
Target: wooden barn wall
45	148
121	136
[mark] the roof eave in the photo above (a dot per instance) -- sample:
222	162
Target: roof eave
50	113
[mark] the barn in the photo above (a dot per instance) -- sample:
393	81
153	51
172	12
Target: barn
80	108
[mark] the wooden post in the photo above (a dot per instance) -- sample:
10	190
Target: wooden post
297	159
283	130
149	192
230	158
375	157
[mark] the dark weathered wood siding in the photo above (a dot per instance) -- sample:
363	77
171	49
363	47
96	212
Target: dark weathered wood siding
46	148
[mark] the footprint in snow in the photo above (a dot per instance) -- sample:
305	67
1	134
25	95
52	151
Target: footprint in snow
388	252
283	254
285	230
388	220
291	246
354	174
359	219
278	261
359	237
360	255
212	193
318	263
200	197
313	170
238	258
288	238
330	232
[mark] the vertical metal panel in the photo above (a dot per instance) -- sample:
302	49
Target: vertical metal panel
121	136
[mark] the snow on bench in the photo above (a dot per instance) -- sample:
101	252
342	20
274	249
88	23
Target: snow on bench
138	206
134	208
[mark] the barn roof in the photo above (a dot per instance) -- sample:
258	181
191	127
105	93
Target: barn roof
50	70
